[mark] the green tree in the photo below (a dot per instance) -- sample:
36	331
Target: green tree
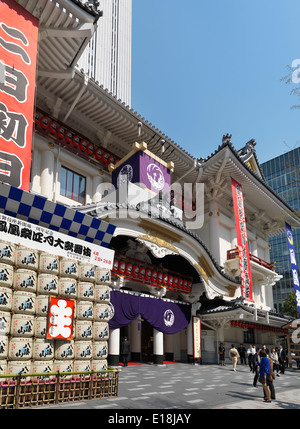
289	306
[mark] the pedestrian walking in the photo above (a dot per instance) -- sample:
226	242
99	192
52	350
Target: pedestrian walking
265	349
281	358
255	360
234	356
271	379
125	350
242	352
264	375
222	354
250	352
274	357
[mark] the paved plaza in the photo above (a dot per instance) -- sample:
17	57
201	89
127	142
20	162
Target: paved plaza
193	387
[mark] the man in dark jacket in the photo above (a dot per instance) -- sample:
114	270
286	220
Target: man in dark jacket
125	350
255	360
281	359
242	352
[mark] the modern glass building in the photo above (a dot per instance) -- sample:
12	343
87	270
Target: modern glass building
283	175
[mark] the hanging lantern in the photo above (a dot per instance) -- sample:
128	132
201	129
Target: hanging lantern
135	270
189	285
142	272
98	154
128	269
68	137
52	127
61	133
122	266
180	283
160	277
175	281
165	279
170	280
37	118
148	275
105	157
115	265
90	149
154	276
44	123
83	145
76	141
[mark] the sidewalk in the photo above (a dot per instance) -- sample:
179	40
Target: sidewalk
289	400
192	387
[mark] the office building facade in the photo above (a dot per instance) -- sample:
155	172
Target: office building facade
283	175
107	58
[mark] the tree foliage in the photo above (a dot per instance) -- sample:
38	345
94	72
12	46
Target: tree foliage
289	306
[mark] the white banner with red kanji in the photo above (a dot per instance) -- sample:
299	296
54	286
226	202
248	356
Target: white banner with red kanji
36	237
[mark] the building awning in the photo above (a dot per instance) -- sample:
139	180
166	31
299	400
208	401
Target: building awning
218	308
38	210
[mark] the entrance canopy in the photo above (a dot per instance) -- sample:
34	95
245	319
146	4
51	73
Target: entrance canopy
166	316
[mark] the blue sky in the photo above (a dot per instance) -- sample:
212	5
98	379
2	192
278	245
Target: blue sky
201	69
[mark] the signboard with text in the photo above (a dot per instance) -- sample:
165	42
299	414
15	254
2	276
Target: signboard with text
18	54
293	265
142	168
36	237
242	240
60	319
197	350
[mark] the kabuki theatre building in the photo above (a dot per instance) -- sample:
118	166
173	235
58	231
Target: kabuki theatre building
107	222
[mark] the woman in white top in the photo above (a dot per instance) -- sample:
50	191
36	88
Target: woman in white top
274	358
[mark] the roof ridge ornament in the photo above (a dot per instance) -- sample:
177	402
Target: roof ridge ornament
226	139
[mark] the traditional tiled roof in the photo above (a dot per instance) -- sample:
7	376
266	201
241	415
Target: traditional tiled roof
220	306
169	220
90	6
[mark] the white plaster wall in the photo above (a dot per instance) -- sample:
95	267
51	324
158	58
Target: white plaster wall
225	242
68	160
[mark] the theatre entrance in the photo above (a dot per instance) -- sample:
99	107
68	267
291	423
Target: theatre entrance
146	342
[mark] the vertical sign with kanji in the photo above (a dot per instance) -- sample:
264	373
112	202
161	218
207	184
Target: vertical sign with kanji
18	54
197	349
293	265
242	240
60	319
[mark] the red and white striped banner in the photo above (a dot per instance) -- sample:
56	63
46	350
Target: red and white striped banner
242	240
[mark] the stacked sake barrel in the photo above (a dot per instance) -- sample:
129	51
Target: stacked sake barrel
27	279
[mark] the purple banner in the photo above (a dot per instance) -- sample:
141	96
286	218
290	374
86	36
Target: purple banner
141	168
166	317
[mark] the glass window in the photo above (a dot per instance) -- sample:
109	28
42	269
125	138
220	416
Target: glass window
72	185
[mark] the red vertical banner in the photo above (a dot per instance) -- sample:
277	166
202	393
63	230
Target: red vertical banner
18	56
60	319
242	240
